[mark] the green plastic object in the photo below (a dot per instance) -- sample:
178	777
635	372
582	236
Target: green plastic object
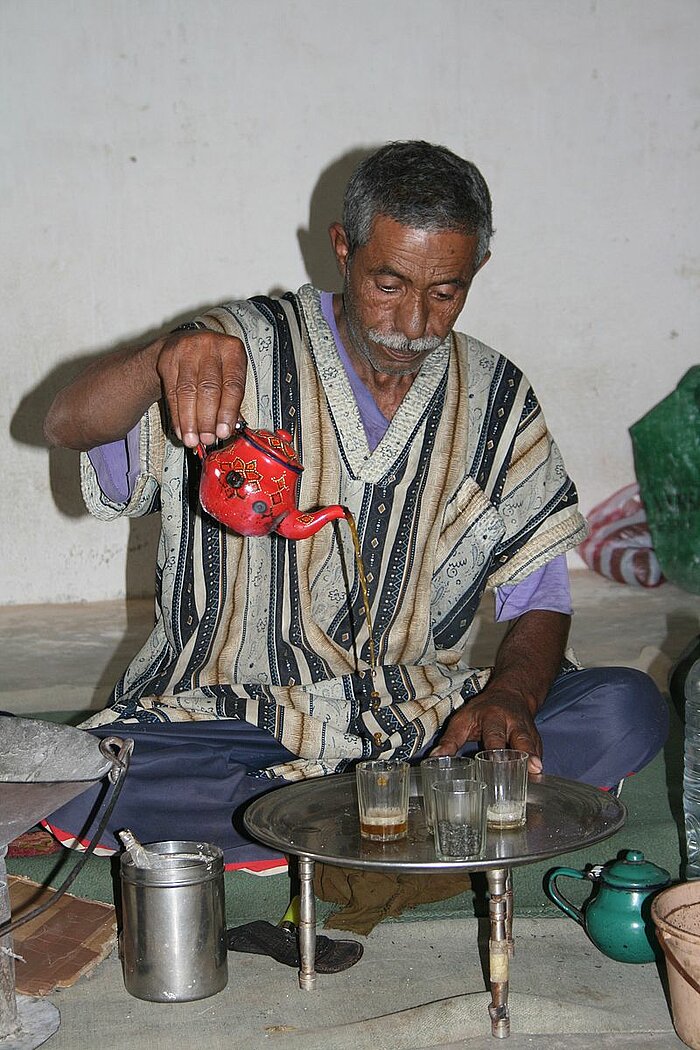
666	446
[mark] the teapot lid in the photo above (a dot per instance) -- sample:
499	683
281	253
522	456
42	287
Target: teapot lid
632	871
277	445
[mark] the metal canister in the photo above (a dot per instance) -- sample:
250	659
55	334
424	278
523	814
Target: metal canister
173	938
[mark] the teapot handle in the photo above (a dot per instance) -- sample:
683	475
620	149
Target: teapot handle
558	897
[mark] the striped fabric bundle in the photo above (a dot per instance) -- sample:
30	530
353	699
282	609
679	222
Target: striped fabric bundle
619	544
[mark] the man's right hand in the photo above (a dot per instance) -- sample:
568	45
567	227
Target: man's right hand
202	376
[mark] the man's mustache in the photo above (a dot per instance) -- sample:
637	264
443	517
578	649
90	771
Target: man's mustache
402	345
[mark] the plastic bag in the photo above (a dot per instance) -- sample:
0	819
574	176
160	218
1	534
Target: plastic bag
666	444
619	544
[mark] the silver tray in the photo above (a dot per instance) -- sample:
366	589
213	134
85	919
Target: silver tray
318	819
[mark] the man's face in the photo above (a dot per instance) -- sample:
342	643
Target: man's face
403	292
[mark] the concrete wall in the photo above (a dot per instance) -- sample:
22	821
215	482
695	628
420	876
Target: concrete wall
160	155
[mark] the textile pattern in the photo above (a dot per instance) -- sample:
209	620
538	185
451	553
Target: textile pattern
466	489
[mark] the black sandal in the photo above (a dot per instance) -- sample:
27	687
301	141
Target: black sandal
281	943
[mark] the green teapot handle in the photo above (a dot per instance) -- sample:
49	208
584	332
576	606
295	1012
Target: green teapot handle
558	897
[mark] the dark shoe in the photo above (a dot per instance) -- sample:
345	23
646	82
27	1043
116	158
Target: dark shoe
281	943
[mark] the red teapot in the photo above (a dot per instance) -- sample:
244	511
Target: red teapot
249	485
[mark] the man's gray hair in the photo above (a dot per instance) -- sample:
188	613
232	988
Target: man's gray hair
420	185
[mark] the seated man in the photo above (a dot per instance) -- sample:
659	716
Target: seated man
257	671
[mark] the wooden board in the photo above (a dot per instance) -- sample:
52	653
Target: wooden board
66	941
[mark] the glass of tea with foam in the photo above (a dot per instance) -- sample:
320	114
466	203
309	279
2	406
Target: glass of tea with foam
504	771
382	796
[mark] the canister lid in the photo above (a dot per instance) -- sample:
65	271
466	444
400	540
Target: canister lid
177	863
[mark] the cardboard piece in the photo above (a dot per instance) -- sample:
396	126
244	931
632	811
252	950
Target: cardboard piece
66	941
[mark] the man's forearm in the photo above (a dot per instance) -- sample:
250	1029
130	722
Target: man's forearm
106	400
200	374
530	656
503	714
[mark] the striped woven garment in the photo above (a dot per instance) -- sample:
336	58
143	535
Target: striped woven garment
466	490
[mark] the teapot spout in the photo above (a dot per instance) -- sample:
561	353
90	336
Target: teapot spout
298	525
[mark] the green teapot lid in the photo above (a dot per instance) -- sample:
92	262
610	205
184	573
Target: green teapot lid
633	872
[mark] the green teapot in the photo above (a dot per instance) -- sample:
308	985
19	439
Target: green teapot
617	915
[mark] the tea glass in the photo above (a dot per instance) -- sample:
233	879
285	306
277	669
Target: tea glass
382	796
460	819
504	771
437	769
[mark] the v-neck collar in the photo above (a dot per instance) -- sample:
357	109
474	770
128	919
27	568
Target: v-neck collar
368	466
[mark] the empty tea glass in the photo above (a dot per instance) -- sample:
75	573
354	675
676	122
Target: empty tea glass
441	768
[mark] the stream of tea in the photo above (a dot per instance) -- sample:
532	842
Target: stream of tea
361	575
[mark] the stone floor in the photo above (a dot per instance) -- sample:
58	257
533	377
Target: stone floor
419	984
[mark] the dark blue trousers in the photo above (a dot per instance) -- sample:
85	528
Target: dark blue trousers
600	725
190	780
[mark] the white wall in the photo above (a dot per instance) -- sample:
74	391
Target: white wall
158	155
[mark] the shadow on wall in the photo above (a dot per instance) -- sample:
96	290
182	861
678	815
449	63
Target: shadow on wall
26	426
326	207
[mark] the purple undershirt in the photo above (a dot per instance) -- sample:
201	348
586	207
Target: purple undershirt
374	421
117	464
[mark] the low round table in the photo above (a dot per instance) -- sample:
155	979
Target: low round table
318	820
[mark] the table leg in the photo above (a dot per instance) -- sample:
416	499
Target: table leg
307	925
499	950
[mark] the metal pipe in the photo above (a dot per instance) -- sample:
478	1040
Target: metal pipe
498	951
509	913
307	925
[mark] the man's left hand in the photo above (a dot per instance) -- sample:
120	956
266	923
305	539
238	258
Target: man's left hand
496	719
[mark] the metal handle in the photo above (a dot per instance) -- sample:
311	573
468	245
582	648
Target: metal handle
558	897
118	752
